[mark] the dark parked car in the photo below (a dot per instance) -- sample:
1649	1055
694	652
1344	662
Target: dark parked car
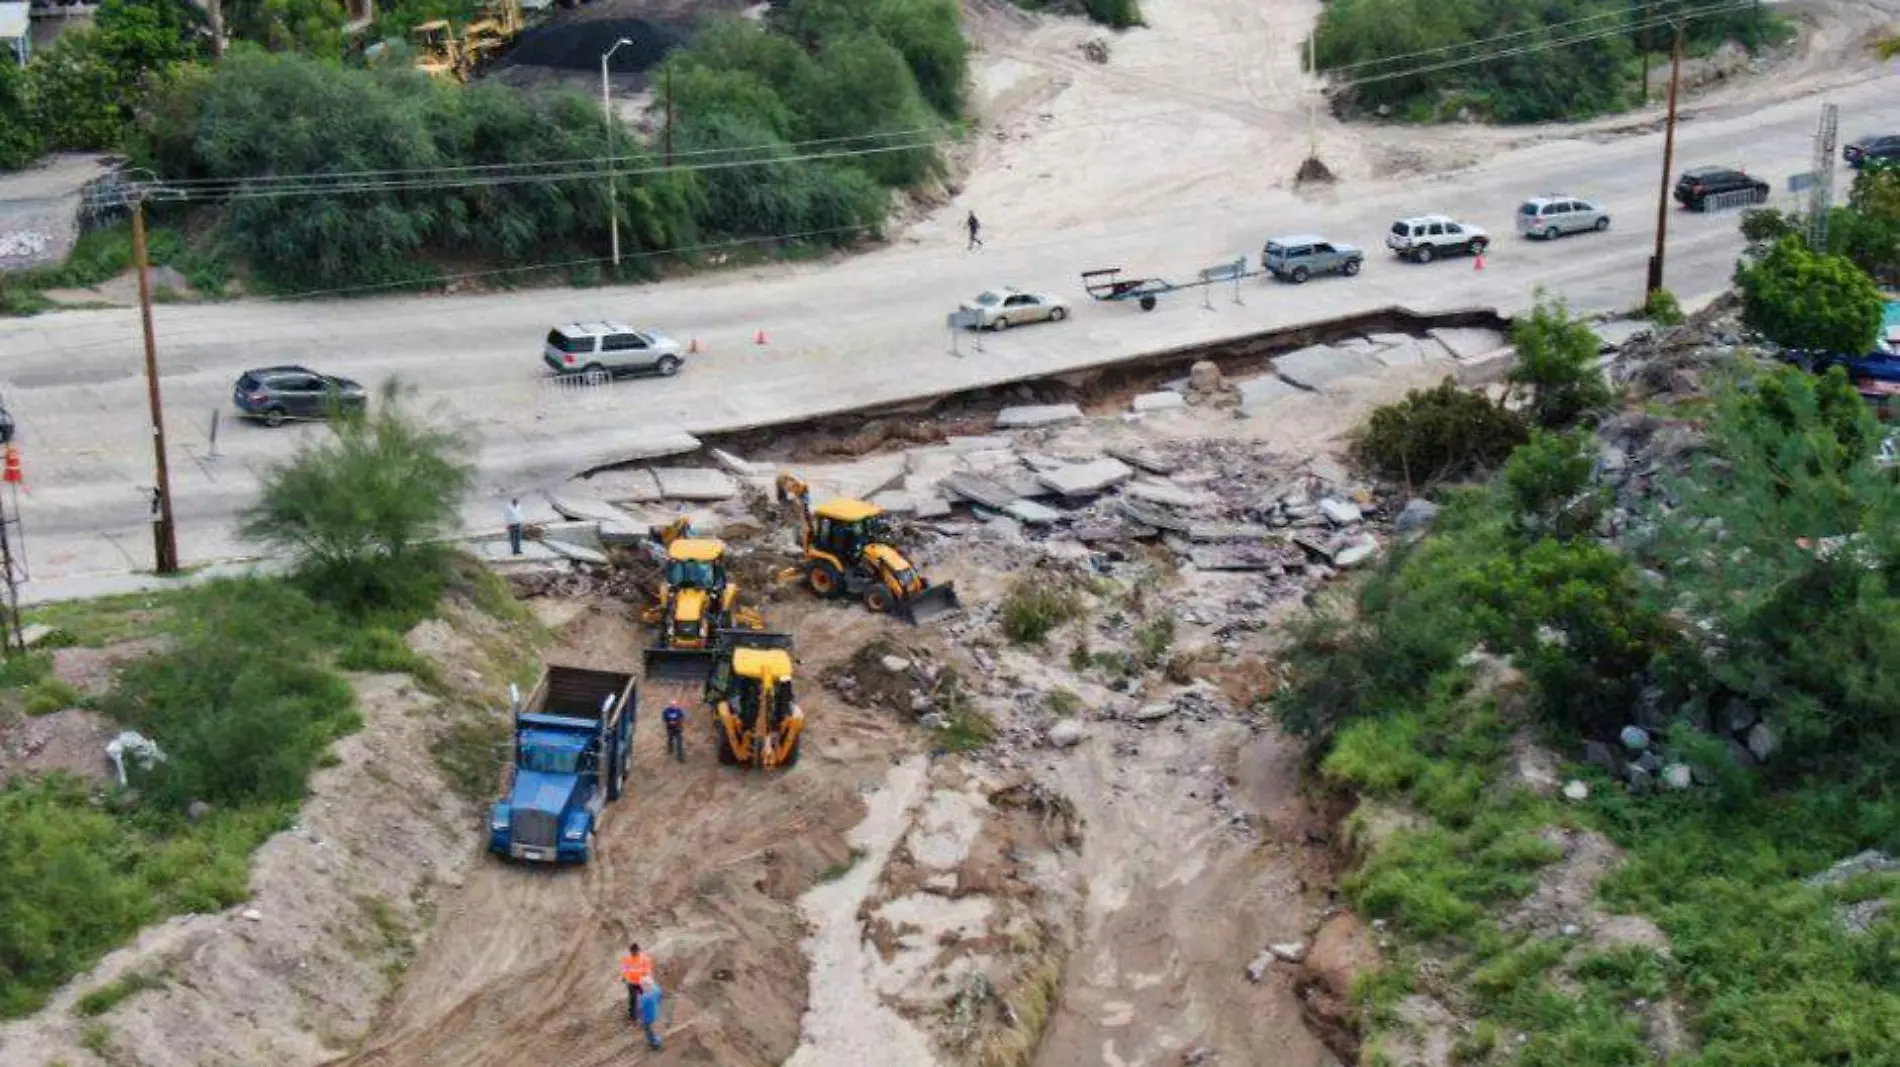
1696	186
1860	152
274	394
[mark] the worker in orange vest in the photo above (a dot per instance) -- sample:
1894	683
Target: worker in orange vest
636	969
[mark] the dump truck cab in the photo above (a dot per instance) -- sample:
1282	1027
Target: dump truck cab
758	722
573	741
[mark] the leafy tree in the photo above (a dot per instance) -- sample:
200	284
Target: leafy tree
1438	433
310	27
1557	366
859	87
1812	302
19	138
1547	481
358	511
77	98
929	33
145	38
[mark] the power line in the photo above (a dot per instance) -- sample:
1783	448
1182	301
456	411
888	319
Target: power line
479	175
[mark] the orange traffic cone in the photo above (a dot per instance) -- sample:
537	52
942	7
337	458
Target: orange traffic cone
1477	262
758	338
14	475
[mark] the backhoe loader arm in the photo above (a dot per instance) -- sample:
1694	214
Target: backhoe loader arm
672	531
792	488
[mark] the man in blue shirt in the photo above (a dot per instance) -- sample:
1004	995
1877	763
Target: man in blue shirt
675	720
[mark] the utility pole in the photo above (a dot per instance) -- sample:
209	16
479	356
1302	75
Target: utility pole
1669	162
164	535
613	164
669	114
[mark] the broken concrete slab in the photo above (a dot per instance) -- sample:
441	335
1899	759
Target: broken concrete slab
1154	518
1030	513
1357	551
1486	370
1340	512
1256	393
1086	479
1023	484
1142	457
579	508
635	485
1615	333
1018	418
575	553
1411	353
930	507
988	442
1039	462
1167	493
1230	558
1467	342
585	533
694	483
896	502
1226	531
1318	366
978	490
1162	401
741	468
1388	340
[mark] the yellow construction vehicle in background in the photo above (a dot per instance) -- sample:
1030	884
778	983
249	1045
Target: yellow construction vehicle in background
438	53
848	552
755	718
696	601
495	27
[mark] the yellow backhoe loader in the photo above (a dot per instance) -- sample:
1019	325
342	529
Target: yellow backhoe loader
848	552
696	602
438	53
496	26
756	721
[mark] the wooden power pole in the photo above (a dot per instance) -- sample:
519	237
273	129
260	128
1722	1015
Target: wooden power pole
1669	163
164	537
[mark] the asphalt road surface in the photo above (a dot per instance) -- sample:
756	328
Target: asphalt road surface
864	330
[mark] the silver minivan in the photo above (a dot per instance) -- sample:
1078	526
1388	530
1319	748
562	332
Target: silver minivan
1552	216
601	350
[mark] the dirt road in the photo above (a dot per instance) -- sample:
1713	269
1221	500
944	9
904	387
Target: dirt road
701	863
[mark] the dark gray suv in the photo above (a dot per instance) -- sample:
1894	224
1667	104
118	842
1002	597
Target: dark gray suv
274	394
1300	256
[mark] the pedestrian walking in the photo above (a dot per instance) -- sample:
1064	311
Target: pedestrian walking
636	970
976	239
516	526
675	720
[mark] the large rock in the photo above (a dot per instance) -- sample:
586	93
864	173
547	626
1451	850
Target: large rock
1087	479
1068	733
1418	514
1763	742
1356	552
1205	377
694	483
1340	512
1037	415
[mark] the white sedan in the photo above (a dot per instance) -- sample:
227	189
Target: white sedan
999	309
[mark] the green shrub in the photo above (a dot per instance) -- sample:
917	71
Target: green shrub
50	694
1036	606
19	136
1662	308
1116	14
1440	433
1799	299
1548	480
111	995
1557	366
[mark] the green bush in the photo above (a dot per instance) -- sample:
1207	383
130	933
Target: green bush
1036	606
111	995
1798	299
1557	369
19	134
1547	481
1440	433
1662	308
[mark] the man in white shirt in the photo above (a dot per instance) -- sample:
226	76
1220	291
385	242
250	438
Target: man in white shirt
516	526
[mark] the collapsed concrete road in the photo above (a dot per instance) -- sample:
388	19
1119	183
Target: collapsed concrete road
863	331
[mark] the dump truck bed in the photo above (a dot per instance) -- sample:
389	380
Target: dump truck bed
580	693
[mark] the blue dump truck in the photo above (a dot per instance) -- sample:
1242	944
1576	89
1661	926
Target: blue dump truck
573	741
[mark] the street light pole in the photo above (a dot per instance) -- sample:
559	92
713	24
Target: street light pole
607	115
164	535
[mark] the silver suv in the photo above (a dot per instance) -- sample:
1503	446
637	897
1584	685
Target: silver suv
600	350
1300	256
1554	215
1429	236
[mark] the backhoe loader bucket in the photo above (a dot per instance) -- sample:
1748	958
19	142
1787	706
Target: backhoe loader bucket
933	603
680	664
